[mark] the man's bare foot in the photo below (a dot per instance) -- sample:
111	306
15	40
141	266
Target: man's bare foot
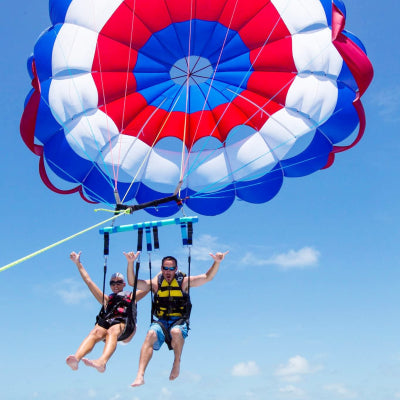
101	367
72	362
139	381
175	370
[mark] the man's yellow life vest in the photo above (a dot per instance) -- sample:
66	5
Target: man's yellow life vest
170	300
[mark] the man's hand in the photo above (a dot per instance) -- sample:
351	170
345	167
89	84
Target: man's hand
131	256
218	257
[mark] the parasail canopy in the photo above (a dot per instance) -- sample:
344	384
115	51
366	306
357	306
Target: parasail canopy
226	96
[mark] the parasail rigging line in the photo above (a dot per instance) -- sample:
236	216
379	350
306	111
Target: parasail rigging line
185	128
215	185
95	194
188	64
146	158
126	90
209	89
226	108
309	87
83	113
105	109
261	109
68	132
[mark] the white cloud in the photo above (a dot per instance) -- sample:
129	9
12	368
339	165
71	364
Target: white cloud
249	368
71	291
165	394
191	377
303	258
293	391
204	245
341	390
295	368
92	393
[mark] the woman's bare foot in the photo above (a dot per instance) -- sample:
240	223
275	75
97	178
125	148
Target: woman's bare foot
101	367
72	362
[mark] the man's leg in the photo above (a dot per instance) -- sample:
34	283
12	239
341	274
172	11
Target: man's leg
96	334
145	356
177	343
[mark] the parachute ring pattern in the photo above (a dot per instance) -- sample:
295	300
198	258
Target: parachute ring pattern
227	96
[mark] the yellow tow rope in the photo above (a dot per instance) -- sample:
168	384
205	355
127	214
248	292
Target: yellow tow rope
29	256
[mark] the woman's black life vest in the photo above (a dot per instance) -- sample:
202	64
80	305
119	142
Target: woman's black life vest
120	309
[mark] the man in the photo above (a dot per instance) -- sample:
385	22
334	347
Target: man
113	322
170	306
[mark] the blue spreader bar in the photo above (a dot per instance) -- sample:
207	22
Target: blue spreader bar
149	224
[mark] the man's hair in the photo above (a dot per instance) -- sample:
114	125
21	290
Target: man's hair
169	258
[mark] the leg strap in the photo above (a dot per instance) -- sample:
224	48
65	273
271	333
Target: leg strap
166	333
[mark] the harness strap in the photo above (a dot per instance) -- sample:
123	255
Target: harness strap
166	332
106	252
190	233
148	239
188	288
140	239
130	323
155	238
151	292
187	240
139	248
108	317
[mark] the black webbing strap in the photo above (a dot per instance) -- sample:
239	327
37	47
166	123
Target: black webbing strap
140	239
155	238
130	324
139	248
189	242
167	335
190	233
153	203
151	291
106	243
106	252
149	244
189	264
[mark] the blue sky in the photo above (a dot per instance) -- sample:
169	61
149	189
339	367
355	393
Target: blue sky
305	306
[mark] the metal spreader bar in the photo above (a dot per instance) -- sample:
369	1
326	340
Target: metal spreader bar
149	224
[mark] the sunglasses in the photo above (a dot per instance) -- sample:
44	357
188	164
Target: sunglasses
168	268
112	283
